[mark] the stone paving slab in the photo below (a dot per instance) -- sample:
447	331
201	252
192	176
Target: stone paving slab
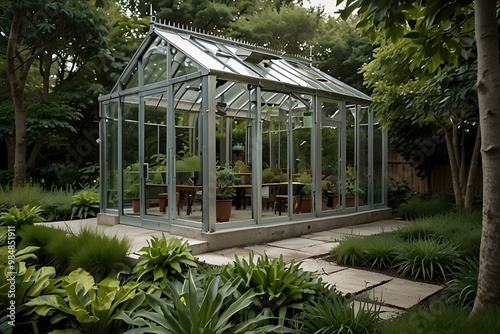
295	243
318	266
400	293
326	236
213	259
323	248
275	252
354	280
231	252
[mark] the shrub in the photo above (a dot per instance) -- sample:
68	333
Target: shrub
349	251
418	207
427	259
164	259
461	290
85	204
329	313
282	287
28	215
99	254
398	193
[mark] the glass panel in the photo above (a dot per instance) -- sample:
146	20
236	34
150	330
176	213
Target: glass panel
378	165
111	151
330	155
363	166
188	148
181	64
302	117
130	149
155	62
133	80
155	153
350	173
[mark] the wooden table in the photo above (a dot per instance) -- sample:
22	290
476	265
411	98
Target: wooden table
190	191
240	194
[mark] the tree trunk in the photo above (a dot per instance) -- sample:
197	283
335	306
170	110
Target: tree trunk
17	85
471	178
488	83
455	168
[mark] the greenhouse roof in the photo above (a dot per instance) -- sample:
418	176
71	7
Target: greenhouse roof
194	52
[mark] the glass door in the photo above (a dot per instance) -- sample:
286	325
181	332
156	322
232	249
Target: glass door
155	157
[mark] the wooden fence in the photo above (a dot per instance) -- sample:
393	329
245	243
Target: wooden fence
440	182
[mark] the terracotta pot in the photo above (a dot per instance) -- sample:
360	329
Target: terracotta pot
136	204
305	204
223	209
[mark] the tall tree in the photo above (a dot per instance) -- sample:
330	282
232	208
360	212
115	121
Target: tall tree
69	32
446	100
441	32
488	83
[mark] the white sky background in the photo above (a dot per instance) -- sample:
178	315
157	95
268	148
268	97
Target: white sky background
330	5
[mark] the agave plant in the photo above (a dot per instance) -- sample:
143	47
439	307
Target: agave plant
198	311
163	259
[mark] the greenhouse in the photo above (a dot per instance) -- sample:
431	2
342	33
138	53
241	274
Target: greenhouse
195	117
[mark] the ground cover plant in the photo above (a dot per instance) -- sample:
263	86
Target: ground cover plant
56	202
444	318
428	248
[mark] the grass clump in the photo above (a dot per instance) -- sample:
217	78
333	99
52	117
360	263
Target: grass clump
98	254
427	259
444	319
42	236
350	251
330	313
381	251
461	290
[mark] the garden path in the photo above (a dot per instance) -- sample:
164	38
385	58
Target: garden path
396	295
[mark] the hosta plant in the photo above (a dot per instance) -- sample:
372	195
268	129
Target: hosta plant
164	259
89	307
30	282
85	204
192	310
28	215
282	287
427	259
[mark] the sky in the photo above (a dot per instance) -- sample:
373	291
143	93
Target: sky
330	5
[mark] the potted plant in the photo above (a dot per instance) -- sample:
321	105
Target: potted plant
350	187
224	193
131	185
305	193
